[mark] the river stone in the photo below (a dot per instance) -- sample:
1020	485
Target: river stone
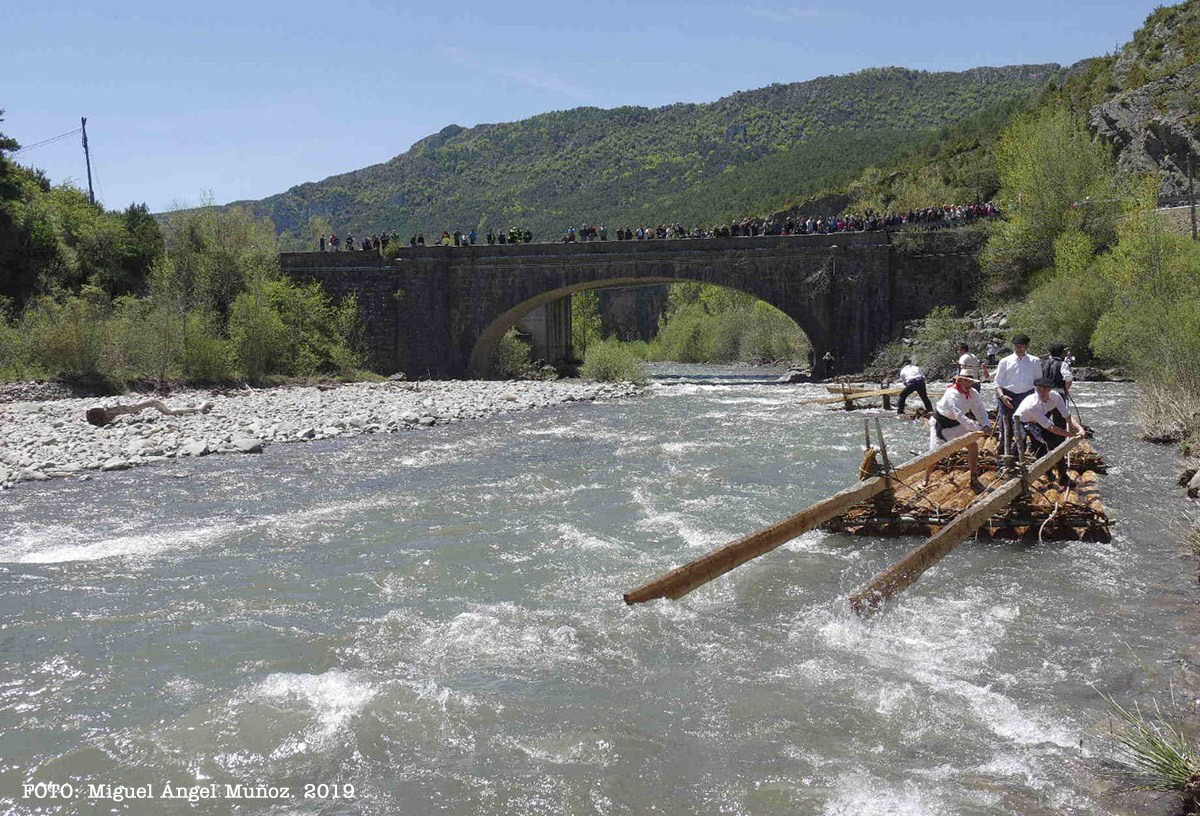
307	433
246	444
426	420
115	464
1193	488
139	447
194	448
511	396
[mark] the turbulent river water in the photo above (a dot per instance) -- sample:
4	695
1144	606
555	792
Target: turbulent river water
435	619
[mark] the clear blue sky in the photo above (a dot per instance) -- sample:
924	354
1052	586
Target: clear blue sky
243	100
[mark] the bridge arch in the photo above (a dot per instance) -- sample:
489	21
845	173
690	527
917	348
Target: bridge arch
484	347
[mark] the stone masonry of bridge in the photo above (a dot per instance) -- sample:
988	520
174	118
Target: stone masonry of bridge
439	311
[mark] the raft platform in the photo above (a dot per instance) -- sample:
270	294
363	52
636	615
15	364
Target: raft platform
1047	512
1021	501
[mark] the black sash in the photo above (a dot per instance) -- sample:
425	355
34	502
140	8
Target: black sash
943	423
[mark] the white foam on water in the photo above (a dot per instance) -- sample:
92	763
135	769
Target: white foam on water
892	698
562	750
302	518
858	793
498	634
683	447
1001	715
776	401
686	527
1010	766
571	537
557	431
335	697
61	543
818	543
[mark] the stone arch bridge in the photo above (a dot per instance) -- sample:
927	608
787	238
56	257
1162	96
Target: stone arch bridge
439	311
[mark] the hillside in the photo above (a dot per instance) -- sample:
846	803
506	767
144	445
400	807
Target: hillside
1143	101
747	153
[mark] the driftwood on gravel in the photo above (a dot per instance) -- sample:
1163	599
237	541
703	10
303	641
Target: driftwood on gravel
99	416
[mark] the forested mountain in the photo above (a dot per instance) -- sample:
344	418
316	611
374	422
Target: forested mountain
741	155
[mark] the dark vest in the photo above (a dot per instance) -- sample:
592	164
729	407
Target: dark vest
1052	370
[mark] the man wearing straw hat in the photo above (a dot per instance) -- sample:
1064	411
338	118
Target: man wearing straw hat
960	411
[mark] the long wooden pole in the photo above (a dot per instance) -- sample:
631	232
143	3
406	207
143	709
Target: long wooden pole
905	572
853	395
682	580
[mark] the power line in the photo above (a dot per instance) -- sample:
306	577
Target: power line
51	140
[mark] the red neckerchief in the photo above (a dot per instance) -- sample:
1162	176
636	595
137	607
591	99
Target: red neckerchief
966	392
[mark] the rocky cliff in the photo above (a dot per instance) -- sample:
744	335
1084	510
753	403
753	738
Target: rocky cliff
1154	121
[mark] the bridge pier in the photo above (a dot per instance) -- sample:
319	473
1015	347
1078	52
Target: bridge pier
550	328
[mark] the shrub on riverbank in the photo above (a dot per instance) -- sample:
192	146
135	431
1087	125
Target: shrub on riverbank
207	313
611	361
934	347
513	357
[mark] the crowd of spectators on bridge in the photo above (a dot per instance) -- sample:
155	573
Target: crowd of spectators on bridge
929	217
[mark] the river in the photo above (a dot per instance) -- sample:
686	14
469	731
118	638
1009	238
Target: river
435	620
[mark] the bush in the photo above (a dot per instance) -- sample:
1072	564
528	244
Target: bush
259	335
14	348
72	338
512	357
885	365
204	355
611	361
686	335
1168	410
935	346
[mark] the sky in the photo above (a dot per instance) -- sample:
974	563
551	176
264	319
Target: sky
226	101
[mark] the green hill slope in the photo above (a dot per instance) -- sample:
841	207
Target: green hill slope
747	153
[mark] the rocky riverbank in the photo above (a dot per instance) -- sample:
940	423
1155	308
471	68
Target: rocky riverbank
51	439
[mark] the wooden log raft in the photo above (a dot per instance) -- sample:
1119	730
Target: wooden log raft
682	580
905	572
1049	513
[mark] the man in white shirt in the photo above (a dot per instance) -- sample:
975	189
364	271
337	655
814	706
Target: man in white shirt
1047	421
913	380
1013	382
970	361
958	412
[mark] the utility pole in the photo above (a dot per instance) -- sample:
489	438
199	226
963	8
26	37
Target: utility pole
1192	192
87	158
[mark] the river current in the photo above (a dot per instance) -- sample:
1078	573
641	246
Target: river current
435	620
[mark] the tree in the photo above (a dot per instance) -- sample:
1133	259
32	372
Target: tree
1049	167
585	321
218	252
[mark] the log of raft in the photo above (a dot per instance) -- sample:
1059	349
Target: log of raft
100	416
851	396
682	580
